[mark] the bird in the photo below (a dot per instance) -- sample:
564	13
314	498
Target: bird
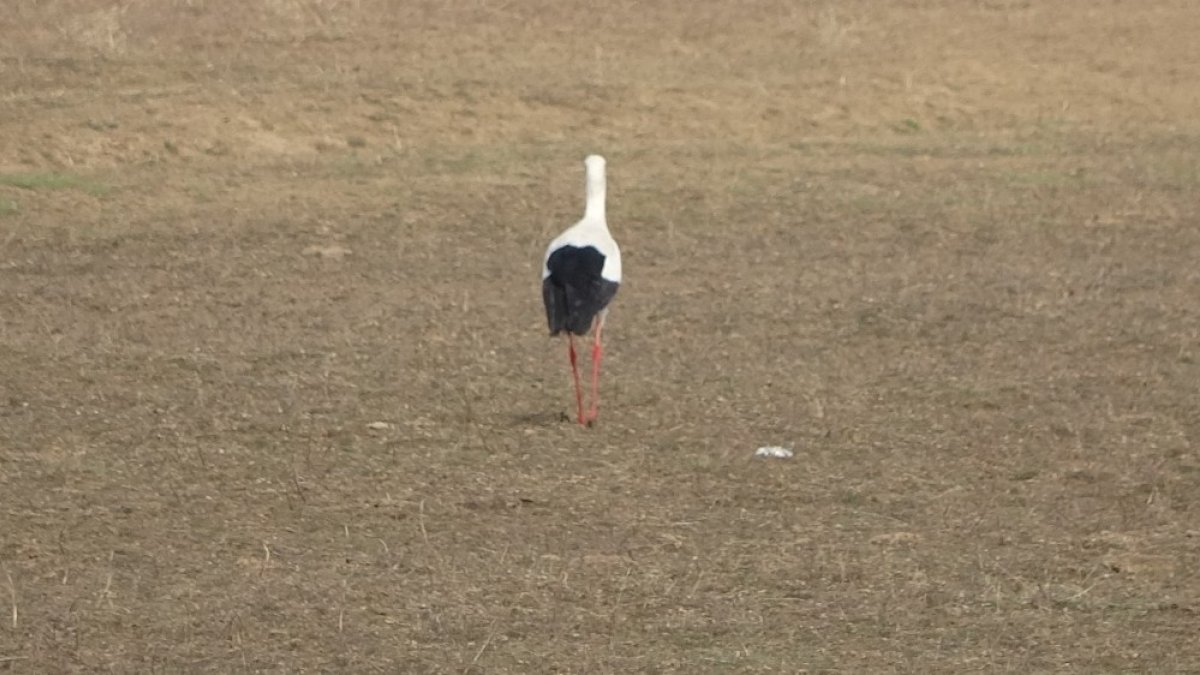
581	273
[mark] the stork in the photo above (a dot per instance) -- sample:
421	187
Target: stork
580	276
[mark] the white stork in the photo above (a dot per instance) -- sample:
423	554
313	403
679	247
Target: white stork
580	275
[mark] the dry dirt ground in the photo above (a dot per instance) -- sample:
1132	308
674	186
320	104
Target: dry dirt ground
276	393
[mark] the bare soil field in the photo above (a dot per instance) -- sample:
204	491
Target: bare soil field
276	393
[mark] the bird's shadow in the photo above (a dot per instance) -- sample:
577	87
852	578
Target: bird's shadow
542	418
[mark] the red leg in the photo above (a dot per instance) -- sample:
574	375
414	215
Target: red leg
597	354
575	375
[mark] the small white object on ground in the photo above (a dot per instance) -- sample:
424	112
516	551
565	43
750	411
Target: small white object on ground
379	426
774	451
334	251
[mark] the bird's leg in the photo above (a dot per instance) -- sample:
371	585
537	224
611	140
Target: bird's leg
597	353
575	375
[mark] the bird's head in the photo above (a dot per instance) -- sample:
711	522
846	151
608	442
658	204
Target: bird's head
594	163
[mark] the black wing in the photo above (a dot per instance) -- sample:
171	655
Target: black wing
575	291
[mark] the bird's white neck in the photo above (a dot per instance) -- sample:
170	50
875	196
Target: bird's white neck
594	209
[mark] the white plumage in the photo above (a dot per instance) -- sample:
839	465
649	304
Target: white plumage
592	229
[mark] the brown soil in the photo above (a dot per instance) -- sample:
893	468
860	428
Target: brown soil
276	394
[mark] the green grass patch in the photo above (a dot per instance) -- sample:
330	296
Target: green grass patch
851	498
1015	150
53	180
1180	173
8	207
1047	177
